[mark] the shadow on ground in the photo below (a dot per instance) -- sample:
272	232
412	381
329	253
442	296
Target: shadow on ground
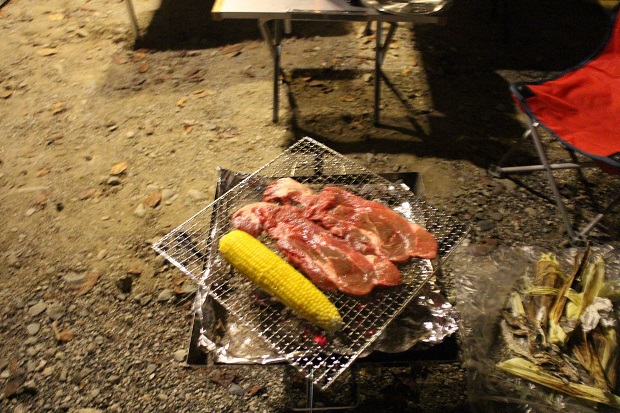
468	63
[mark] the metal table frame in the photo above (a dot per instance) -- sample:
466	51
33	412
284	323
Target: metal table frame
272	14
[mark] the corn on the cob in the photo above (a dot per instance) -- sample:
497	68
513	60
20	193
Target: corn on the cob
277	277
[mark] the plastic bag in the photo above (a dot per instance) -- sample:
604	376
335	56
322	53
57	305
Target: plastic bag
483	286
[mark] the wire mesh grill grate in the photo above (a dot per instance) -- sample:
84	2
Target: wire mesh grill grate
192	247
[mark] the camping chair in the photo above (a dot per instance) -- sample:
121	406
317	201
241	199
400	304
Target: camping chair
580	108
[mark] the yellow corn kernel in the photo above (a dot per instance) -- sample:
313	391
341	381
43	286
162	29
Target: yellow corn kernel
277	277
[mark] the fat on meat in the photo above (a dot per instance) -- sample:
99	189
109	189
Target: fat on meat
369	226
329	262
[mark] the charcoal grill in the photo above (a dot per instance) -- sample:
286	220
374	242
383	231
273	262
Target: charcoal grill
321	357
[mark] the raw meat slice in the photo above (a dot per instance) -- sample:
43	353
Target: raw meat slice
370	227
331	263
250	218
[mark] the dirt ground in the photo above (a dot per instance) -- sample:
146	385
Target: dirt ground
109	142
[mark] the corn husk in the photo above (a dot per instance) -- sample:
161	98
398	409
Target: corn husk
584	352
556	334
605	343
529	371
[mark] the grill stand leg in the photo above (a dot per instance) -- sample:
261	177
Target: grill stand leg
273	38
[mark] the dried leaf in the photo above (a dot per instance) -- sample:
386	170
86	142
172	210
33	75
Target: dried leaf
88	283
349	98
135	271
87	193
153	199
13	366
181	102
40	199
144	67
119	168
58	107
222	377
406	72
47	52
43	171
14	383
203	92
63	336
254	390
232	50
188	129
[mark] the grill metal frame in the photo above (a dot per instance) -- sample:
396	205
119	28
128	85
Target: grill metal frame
321	357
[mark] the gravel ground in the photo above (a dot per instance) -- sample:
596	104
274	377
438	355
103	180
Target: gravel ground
108	144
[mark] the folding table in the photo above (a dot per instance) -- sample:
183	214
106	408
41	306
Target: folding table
271	14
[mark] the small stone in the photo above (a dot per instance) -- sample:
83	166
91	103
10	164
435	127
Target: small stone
140	210
102	254
165	295
73	279
167	194
114	181
30	211
196	195
55	311
113	379
19	303
33	329
149	128
236	390
145	300
150	368
37	309
179	355
496	216
486	225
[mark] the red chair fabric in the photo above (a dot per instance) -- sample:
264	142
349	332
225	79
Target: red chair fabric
581	107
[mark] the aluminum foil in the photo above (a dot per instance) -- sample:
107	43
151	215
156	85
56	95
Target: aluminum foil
407	7
425	322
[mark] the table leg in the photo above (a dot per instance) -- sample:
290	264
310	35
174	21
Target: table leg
378	61
132	16
277	37
380	52
273	38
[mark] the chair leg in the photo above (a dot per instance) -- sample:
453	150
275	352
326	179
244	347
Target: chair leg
551	179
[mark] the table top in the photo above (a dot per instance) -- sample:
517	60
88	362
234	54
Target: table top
335	10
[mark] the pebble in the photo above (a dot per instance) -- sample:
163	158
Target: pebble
145	300
102	254
179	355
486	225
167	194
236	390
33	329
114	181
150	368
73	279
140	210
37	309
55	311
196	195
165	295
